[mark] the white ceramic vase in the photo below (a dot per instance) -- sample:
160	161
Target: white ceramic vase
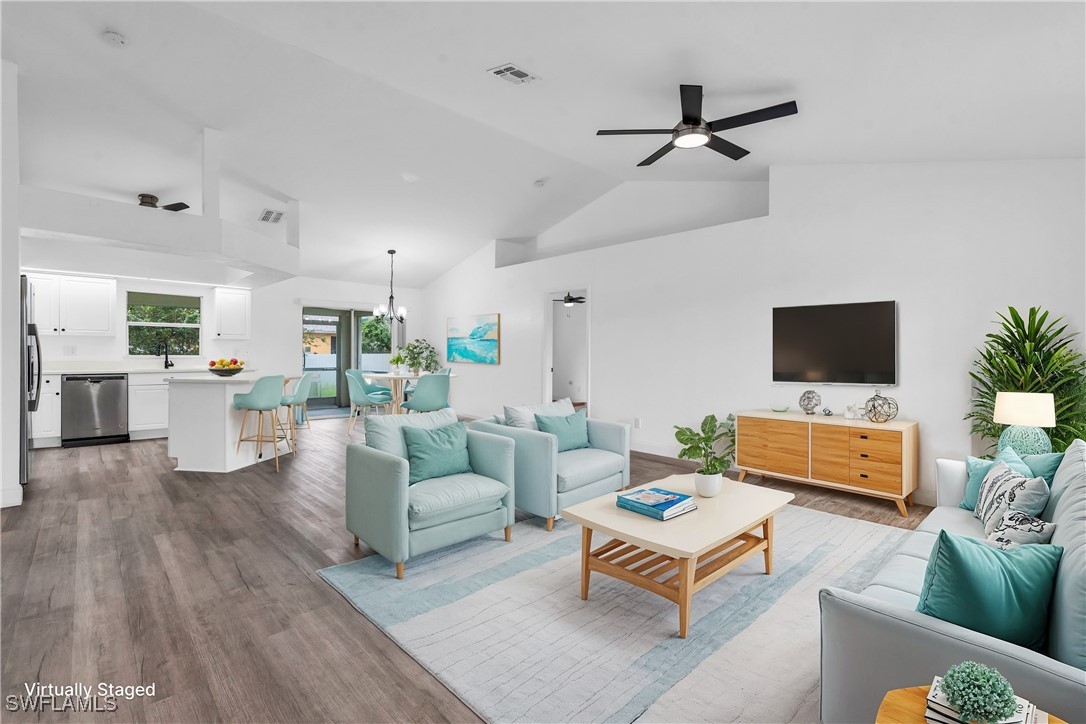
707	485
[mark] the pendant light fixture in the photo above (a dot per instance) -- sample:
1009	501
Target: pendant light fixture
390	311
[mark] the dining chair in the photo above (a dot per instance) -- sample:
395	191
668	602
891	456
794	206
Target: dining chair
431	393
373	390
360	401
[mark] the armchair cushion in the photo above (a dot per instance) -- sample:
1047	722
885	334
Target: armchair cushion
441	500
524	415
385	432
577	468
438	452
571	430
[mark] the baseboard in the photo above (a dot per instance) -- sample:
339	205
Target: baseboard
10	496
651	448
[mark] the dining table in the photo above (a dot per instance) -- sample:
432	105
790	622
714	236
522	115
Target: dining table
396	382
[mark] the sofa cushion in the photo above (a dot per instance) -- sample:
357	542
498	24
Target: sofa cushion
893	596
524	415
918	545
1017	528
437	452
905	573
978	468
953	520
385	432
571	430
577	468
1005	594
1043	466
1004	489
1070	469
440	500
1067	626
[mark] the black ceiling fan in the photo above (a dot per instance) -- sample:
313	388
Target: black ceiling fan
693	131
151	202
569	300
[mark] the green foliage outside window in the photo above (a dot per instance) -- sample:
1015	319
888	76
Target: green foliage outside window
155	319
374	337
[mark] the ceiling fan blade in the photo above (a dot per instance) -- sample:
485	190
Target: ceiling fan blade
728	148
690	97
179	206
764	114
634	132
658	155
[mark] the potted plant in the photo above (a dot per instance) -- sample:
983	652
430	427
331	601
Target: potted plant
396	361
420	355
701	446
979	693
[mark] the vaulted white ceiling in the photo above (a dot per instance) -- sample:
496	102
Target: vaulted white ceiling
337	103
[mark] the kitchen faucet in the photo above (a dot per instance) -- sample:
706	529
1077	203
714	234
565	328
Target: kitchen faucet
166	351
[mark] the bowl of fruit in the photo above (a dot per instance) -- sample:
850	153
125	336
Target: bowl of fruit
226	367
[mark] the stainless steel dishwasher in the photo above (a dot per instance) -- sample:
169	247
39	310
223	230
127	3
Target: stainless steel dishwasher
93	409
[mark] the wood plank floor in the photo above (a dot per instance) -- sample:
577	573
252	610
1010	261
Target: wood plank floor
116	568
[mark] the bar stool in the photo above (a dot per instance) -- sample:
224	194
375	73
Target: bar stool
298	399
266	396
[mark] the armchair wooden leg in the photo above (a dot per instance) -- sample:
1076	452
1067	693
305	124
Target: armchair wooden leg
508	533
399	570
550	524
356	541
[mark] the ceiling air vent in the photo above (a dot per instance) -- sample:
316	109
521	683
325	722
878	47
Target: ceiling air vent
512	73
271	216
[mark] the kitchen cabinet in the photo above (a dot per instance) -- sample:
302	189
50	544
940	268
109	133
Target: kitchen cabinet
69	305
45	421
44	290
232	313
148	407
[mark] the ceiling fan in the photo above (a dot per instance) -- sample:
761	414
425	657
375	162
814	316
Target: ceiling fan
569	300
151	202
693	131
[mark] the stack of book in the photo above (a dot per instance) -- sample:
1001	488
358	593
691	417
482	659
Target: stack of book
657	503
940	711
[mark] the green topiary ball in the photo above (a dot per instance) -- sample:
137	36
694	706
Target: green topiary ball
978	692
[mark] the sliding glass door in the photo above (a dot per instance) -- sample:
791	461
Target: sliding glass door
374	343
326	350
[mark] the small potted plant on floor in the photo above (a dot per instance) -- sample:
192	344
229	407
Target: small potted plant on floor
420	355
701	446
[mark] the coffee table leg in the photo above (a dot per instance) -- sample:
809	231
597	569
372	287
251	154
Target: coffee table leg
586	552
687	567
767	533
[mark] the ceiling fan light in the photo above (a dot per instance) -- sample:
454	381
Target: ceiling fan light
691	137
568	303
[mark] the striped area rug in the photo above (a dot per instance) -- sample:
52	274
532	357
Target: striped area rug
503	625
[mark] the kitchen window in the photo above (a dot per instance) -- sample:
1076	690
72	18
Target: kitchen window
155	320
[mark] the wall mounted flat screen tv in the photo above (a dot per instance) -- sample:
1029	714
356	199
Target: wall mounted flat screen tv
843	344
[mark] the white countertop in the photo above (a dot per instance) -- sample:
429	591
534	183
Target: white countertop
120	369
247	377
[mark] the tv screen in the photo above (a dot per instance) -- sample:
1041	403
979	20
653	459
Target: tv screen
836	344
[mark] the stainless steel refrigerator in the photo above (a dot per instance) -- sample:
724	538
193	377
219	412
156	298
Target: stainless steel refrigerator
30	369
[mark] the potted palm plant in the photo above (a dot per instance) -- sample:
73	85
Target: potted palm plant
701	446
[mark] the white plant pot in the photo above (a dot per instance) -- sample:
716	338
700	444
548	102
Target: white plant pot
707	485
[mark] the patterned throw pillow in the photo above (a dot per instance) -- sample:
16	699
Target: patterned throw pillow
1017	528
1004	489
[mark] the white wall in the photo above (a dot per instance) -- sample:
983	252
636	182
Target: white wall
11	394
570	350
953	243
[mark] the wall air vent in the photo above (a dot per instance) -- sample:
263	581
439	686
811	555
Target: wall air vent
271	216
512	73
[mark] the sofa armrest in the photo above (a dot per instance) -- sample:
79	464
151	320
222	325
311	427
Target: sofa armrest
614	437
535	466
492	456
950	478
870	647
377	500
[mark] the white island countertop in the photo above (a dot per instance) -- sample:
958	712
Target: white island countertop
248	376
122	370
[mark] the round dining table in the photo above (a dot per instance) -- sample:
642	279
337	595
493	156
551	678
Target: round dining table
396	381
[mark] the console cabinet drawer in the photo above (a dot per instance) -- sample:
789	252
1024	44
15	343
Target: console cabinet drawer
879	478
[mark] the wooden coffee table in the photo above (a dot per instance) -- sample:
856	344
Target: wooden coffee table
679	557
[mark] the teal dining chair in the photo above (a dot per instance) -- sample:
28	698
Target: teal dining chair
297	400
431	393
411	387
265	396
360	401
373	391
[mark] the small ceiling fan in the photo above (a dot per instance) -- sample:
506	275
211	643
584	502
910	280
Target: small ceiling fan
151	202
693	131
569	300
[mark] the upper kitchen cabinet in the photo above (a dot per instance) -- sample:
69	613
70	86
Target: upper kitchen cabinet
73	305
232	313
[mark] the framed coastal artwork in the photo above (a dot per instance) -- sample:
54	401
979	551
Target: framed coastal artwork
475	339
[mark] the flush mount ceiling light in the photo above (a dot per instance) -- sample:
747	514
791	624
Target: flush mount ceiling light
390	311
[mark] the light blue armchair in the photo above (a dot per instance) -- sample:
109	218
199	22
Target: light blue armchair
401	520
548	481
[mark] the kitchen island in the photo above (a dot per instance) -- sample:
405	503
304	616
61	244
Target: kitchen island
204	426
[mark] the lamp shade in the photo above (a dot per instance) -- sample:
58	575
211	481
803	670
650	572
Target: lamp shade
1031	409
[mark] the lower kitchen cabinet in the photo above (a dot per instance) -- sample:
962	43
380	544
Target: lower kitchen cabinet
148	407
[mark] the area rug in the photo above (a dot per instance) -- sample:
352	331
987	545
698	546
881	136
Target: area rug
503	625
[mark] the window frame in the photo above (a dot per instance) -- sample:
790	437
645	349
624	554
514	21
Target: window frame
171	325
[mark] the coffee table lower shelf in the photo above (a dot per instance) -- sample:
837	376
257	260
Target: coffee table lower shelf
676	579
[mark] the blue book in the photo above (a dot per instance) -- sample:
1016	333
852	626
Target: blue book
656	503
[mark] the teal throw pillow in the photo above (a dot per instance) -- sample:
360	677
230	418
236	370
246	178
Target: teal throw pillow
436	452
1043	466
1004	594
571	430
978	468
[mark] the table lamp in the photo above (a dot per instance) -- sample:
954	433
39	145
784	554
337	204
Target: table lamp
1026	413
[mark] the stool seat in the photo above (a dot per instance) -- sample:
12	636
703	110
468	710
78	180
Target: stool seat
265	396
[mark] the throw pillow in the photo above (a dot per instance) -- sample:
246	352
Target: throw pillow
436	452
1043	466
1004	489
1000	593
1017	528
571	430
524	415
979	467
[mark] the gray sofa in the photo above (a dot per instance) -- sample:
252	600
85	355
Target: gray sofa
875	641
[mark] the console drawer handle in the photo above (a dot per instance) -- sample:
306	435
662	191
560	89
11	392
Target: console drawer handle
863	437
863	475
863	455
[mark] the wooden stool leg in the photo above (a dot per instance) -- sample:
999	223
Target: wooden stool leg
259	434
241	434
275	436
